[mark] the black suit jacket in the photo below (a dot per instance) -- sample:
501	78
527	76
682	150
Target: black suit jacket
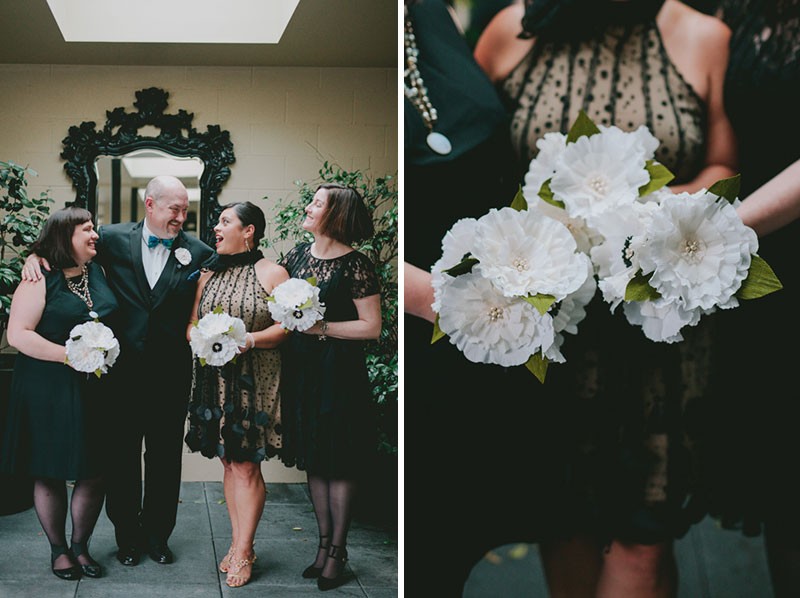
153	320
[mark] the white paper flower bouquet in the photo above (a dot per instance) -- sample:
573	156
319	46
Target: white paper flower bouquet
215	338
295	304
667	258
594	213
92	347
509	285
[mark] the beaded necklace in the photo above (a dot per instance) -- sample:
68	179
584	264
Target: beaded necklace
417	93
81	288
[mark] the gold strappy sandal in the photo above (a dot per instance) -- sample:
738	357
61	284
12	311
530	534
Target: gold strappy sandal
235	579
225	563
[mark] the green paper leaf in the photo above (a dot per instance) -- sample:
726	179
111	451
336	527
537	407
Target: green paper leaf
727	188
437	332
583	125
312	280
537	365
519	202
760	281
202	362
541	302
660	176
639	288
218	310
463	267
98	373
547	195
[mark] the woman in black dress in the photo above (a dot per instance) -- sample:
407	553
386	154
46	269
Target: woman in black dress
53	428
326	397
755	449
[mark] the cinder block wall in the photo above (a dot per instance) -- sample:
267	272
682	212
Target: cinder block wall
284	122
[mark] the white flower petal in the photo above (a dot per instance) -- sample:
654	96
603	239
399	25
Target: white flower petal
489	327
526	253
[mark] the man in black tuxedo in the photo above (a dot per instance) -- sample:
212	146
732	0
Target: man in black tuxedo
148	266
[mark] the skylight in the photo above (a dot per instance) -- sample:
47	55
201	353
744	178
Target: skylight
173	21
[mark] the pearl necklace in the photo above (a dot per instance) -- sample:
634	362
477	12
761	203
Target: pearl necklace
417	93
81	288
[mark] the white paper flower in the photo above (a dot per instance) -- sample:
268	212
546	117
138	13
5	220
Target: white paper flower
295	304
543	166
616	259
599	173
698	250
489	327
92	348
570	312
456	243
585	236
526	253
215	339
661	320
183	256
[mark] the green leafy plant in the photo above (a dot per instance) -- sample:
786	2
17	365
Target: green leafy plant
21	220
380	196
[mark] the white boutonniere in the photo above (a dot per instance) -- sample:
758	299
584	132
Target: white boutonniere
183	256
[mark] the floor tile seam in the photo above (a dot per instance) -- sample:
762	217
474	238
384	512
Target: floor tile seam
211	528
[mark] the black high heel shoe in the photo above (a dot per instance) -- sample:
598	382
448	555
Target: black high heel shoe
93	568
337	553
312	572
70	573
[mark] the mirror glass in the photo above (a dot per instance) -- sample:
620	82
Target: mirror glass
121	181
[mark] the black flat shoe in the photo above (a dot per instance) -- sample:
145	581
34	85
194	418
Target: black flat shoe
161	553
90	569
69	573
128	556
337	553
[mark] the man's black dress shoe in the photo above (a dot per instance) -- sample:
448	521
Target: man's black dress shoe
128	556
160	553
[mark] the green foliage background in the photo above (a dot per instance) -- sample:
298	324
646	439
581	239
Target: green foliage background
380	196
21	221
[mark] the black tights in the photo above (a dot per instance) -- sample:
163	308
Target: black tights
333	508
50	502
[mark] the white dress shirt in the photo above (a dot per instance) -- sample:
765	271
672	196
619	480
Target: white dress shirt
153	260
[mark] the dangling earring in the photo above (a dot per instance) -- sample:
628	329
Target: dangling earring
246	244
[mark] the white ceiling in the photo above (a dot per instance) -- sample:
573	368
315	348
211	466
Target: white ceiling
321	33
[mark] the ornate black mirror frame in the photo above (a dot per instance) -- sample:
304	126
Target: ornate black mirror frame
120	136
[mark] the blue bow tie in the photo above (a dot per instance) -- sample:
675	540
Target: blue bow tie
152	241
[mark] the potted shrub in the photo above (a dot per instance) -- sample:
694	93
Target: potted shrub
21	220
379	501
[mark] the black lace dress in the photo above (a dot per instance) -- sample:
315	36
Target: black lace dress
327	406
757	402
55	414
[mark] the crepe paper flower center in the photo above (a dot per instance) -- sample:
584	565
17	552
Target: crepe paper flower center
599	184
521	264
693	250
495	313
298	314
216	347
